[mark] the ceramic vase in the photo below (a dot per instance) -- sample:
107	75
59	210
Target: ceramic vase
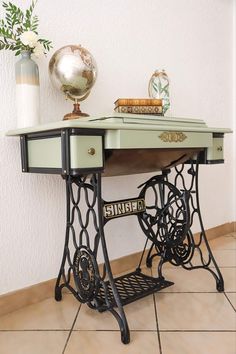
159	88
27	91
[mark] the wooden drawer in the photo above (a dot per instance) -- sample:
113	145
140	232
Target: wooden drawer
215	153
44	153
63	152
151	139
86	151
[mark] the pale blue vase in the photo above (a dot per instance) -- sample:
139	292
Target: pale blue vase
27	91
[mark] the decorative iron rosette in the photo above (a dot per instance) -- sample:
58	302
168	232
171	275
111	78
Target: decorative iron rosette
86	274
183	252
166	219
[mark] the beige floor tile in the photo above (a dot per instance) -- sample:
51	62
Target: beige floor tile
32	342
48	314
225	258
89	319
229	275
224	250
140	316
223	243
232	299
198	280
109	343
194	312
198	342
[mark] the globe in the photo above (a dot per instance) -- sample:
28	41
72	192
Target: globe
73	71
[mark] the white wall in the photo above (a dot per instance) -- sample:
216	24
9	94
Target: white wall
191	39
234	104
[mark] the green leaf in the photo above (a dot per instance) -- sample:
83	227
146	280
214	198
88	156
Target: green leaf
15	23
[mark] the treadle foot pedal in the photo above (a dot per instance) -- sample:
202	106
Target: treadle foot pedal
131	287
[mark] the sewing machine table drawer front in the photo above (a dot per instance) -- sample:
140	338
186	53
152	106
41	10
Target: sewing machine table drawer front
62	152
127	139
215	153
86	151
44	153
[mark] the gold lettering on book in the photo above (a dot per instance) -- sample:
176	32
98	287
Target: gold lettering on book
122	208
172	137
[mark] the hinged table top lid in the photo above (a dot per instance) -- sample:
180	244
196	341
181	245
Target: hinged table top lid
120	121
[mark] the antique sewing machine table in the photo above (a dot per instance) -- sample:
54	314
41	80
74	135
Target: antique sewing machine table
85	150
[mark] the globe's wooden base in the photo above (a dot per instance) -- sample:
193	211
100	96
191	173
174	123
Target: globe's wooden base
76	114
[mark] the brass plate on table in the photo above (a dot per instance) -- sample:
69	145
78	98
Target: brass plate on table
173	137
123	208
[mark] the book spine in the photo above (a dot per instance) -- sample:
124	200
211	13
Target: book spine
138	102
140	109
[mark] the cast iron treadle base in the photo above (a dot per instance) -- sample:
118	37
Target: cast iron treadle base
131	287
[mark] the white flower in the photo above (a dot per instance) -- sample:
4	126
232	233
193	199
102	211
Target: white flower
38	50
29	38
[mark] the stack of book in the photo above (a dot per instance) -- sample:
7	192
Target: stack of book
139	106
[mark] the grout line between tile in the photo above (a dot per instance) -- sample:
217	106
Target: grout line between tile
155	309
220	266
229	301
158	332
190	292
114	330
77	330
71	330
35	330
223	249
198	330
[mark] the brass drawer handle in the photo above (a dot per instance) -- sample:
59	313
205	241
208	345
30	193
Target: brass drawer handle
219	148
91	151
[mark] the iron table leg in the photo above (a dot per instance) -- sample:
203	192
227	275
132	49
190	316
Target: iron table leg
168	221
84	233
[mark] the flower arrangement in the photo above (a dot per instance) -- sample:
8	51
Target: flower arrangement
18	31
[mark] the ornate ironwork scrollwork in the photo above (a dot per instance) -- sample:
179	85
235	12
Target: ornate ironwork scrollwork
166	220
165	209
84	235
183	252
176	243
86	274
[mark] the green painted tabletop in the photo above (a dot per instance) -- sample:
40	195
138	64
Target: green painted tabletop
121	121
